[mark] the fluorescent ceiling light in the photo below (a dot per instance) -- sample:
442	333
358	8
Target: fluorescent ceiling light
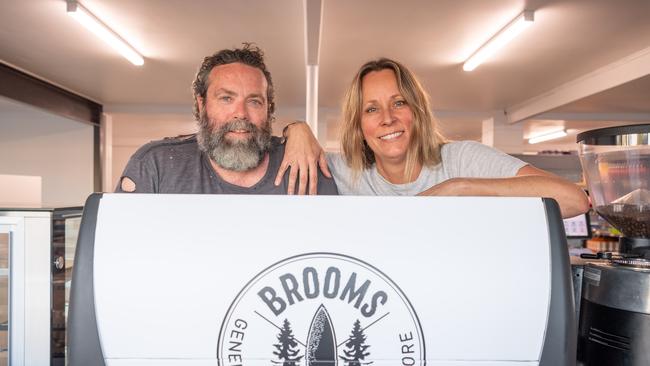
504	36
88	20
547	136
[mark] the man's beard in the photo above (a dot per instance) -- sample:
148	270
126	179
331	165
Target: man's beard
237	155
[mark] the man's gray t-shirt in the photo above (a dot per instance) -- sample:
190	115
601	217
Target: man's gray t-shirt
177	165
466	159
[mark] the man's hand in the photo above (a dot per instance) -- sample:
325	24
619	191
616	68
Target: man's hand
302	154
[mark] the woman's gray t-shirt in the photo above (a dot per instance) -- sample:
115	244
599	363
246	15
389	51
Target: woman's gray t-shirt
460	159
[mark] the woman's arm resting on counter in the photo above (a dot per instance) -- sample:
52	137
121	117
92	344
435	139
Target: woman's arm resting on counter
529	182
302	156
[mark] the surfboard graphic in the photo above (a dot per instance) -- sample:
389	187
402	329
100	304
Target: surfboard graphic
321	340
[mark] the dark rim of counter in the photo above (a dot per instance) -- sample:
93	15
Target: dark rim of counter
615	135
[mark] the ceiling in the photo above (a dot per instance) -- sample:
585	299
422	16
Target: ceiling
631	97
549	65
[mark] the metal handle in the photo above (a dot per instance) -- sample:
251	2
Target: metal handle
59	262
608	255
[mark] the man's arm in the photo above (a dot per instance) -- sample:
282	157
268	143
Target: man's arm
302	156
529	182
138	176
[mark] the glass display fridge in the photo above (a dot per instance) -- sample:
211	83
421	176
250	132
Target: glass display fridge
36	259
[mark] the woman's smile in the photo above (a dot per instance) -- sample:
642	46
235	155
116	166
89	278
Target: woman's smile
391	136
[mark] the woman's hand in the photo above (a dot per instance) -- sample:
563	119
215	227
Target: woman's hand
450	187
302	155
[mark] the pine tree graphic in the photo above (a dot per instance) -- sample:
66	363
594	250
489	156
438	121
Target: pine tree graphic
286	348
356	347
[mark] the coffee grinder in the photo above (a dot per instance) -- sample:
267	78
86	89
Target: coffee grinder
614	324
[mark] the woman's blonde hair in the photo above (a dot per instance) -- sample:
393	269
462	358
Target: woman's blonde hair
424	147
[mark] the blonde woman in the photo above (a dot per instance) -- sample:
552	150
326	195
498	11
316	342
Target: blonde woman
391	146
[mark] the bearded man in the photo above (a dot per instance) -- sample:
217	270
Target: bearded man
233	151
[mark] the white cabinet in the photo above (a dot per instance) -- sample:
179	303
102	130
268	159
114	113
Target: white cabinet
29	239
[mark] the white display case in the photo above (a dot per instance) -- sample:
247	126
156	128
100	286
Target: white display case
36	256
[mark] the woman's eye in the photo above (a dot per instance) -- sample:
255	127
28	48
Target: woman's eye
371	109
400	103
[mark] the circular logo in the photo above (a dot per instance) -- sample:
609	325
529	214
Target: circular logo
321	309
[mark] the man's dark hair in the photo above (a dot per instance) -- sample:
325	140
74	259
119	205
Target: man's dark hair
250	55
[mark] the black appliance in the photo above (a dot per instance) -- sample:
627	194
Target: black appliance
614	325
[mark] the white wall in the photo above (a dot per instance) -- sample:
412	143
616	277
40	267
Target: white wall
60	150
21	191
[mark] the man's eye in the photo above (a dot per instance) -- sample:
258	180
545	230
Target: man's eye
225	98
256	102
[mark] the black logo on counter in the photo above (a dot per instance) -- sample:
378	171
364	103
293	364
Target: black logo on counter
320	309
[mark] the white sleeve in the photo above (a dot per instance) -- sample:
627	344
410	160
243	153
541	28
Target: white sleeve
336	162
341	173
471	159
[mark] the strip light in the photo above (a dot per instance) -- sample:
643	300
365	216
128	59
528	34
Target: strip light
505	35
547	136
101	30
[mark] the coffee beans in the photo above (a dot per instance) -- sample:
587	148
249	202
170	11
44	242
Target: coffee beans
632	221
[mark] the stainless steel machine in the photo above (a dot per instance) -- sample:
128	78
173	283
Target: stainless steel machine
614	326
